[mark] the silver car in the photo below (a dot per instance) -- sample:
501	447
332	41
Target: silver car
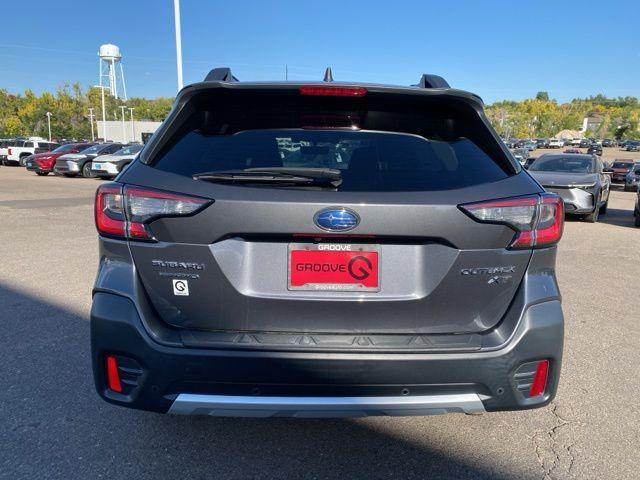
578	179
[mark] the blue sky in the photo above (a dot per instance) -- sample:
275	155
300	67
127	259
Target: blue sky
498	49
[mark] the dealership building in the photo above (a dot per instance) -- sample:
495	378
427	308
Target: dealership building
117	131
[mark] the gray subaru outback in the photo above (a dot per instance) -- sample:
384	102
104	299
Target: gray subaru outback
326	250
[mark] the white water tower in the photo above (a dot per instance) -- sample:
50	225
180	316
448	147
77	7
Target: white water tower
110	60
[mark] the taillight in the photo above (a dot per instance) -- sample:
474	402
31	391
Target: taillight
109	210
538	220
124	212
319	90
8	151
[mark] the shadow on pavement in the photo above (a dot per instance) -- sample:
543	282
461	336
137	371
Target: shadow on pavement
55	426
618	217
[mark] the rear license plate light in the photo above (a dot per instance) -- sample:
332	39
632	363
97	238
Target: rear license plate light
334	267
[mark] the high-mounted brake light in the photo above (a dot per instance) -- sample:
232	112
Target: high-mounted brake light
323	91
537	219
125	212
539	384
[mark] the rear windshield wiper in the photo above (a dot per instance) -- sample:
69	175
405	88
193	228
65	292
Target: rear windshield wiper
286	175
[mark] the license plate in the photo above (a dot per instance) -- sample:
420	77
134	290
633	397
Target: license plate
97	166
334	267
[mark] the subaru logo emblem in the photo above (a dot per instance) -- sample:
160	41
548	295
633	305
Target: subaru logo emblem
336	219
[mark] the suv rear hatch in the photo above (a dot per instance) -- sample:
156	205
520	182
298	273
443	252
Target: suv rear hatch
259	251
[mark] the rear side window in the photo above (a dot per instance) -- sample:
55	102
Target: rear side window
382	145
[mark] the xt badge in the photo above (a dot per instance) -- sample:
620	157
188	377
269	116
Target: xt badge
180	287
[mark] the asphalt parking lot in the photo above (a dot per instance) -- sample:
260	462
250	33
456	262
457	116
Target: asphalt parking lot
55	426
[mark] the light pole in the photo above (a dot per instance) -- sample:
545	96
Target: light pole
49	124
133	125
124	131
176	19
93	137
104	114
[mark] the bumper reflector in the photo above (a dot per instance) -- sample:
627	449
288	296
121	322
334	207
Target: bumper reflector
539	379
113	376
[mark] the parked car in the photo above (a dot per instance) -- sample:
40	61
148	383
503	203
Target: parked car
17	150
579	179
529	145
595	149
74	164
542	142
43	163
633	146
584	143
632	179
572	150
636	209
556	143
521	155
607	142
108	166
620	169
574	142
236	282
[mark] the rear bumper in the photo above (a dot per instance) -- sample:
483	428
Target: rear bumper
323	407
236	382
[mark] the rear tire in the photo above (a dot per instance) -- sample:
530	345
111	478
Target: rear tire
42	174
603	208
86	170
592	217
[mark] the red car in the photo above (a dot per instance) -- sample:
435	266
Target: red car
43	163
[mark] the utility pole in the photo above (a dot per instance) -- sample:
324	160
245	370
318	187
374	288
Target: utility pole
176	19
93	137
124	131
49	124
133	125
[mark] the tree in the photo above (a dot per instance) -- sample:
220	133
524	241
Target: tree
544	96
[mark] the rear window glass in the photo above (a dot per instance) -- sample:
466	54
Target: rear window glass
622	165
391	144
573	164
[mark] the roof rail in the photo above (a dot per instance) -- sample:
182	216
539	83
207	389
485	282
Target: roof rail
221	74
432	81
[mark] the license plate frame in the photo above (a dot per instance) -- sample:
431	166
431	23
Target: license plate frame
368	265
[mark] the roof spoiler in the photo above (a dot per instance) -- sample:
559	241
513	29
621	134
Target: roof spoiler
432	81
221	74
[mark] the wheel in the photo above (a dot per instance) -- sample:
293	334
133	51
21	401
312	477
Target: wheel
637	221
603	208
21	161
86	170
42	174
592	217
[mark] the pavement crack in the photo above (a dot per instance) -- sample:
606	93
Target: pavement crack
554	453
